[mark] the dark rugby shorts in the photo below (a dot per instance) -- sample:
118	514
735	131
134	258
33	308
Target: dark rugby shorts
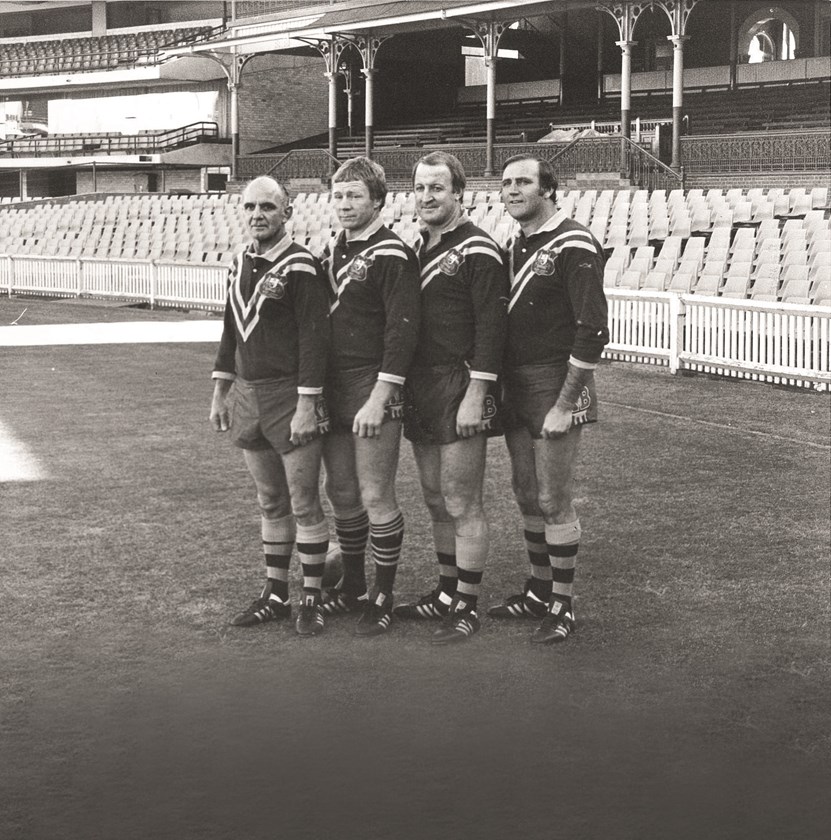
529	393
346	392
432	396
261	414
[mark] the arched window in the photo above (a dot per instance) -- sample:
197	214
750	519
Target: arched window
768	35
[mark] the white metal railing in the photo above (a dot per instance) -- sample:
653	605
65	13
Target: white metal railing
779	342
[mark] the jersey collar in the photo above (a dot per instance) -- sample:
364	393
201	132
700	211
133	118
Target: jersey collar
461	219
369	231
274	253
550	224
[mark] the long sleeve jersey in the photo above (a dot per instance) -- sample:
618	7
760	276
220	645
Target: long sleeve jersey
276	318
557	310
464	296
373	302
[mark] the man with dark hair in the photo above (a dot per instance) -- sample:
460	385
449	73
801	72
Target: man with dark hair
451	399
557	328
374	311
273	352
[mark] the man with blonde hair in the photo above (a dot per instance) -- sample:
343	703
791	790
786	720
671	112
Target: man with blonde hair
374	312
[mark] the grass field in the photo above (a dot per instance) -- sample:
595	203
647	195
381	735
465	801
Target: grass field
693	702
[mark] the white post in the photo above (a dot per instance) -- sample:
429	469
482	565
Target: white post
677	95
677	314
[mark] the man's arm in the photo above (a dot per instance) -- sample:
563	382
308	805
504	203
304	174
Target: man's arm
584	282
224	369
399	283
311	312
489	297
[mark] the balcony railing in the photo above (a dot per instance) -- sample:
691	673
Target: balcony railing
774	151
66	145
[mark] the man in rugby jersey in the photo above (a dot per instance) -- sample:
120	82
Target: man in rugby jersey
557	328
451	403
268	384
374	313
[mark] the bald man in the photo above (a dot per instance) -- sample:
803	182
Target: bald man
268	385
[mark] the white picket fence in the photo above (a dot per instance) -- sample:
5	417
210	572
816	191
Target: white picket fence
157	283
777	342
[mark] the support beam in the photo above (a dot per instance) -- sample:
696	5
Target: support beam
677	95
331	50
368	46
626	86
489	33
734	45
333	113
369	111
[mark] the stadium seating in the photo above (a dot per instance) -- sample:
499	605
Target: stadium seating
32	56
788	258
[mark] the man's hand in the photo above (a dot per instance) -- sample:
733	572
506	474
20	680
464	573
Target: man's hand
304	423
469	415
220	415
370	416
557	422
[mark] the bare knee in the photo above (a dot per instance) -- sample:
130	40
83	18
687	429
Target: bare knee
273	504
526	497
378	499
556	505
463	502
435	504
343	496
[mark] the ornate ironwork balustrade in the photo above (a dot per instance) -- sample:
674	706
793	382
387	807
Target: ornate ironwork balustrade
775	151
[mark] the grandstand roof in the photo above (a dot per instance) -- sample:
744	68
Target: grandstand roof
280	30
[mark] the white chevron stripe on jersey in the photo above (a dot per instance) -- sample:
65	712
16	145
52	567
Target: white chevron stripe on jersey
247	315
340	280
472	245
572	239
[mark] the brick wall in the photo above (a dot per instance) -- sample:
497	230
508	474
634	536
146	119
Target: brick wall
281	99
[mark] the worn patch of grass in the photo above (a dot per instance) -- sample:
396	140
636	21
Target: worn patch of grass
692	702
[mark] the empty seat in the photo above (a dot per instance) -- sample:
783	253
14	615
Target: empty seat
735	287
656	280
707	284
796	291
681	282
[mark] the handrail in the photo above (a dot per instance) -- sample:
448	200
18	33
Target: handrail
305	153
566	148
642	155
106	143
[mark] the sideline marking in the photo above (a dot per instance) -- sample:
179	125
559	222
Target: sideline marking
725	426
16	462
120	332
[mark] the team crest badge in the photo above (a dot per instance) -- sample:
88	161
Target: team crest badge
359	268
273	285
544	264
451	262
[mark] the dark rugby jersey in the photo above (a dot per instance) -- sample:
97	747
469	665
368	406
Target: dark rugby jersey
464	295
276	318
557	309
374	302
